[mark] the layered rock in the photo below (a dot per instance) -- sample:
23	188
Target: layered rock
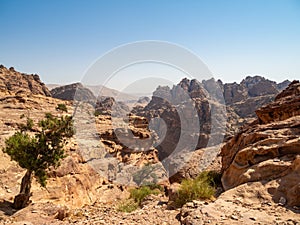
268	150
13	81
286	105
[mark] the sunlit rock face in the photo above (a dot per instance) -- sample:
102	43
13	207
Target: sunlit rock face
268	150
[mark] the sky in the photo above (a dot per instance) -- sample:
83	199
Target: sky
61	39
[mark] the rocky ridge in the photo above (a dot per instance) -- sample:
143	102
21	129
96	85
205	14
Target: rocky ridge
77	194
250	94
74	91
268	150
13	81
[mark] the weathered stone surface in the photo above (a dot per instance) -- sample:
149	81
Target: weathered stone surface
13	81
177	110
268	149
286	105
109	106
250	94
73	184
246	204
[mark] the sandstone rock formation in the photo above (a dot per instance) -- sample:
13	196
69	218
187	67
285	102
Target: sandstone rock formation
268	150
182	111
185	118
76	193
109	106
13	81
250	94
74	184
74	91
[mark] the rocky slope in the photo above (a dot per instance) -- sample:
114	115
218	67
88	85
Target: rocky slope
71	180
13	81
73	185
263	158
268	150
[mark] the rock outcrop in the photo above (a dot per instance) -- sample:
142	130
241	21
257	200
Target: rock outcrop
109	106
268	150
183	110
185	118
15	82
73	184
250	94
74	91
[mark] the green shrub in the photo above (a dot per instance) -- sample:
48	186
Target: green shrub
28	126
137	196
154	186
61	107
203	187
97	113
128	206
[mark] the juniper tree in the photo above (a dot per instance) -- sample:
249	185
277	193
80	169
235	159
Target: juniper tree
36	153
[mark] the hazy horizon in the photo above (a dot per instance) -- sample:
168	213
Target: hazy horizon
60	40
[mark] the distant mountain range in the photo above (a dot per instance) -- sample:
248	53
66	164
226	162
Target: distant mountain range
97	90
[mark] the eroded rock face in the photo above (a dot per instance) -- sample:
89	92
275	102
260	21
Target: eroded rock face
73	184
185	118
268	150
286	105
250	94
173	107
13	81
109	106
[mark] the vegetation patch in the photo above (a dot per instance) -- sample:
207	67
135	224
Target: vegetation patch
62	107
203	187
129	205
137	196
37	153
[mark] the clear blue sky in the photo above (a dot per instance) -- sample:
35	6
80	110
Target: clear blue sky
59	39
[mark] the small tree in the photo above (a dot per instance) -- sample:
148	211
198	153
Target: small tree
37	153
61	107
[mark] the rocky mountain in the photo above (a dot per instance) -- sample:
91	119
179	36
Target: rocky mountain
253	92
163	105
101	90
74	91
14	81
109	106
91	92
185	117
52	86
268	150
260	165
143	100
241	102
